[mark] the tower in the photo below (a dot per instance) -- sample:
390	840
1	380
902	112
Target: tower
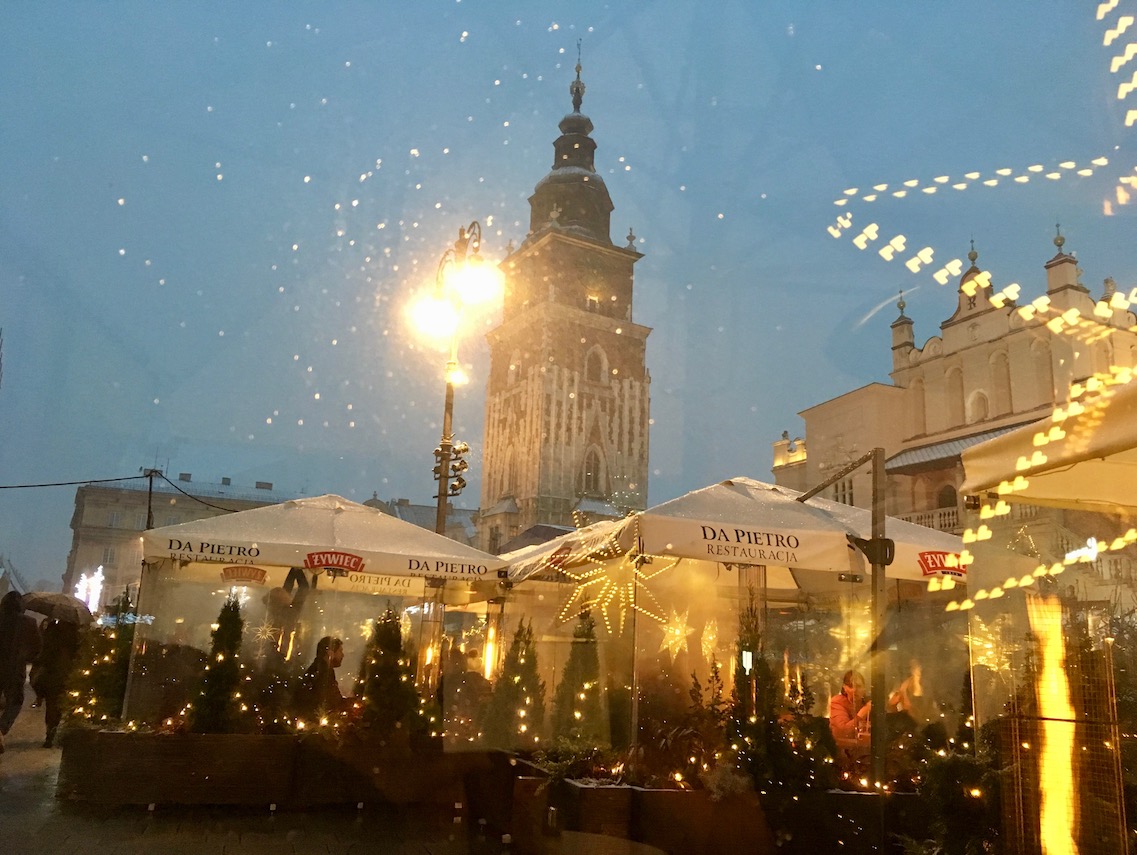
567	400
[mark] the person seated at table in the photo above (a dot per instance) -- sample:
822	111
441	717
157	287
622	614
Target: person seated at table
319	692
849	716
908	698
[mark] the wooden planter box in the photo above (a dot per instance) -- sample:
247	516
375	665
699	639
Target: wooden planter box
678	822
250	769
185	768
361	769
594	808
692	823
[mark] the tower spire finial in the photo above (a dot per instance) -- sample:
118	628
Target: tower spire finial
900	304
576	88
1058	239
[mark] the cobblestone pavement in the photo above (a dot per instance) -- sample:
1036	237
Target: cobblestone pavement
33	821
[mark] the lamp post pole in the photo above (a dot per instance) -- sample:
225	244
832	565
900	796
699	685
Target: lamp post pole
449	463
469	239
446	444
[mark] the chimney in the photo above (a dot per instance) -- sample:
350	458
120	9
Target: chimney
264	485
184	476
225	481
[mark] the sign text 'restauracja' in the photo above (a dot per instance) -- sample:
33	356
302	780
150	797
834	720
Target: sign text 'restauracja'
754	545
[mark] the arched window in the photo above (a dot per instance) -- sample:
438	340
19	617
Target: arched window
978	408
1001	383
916	403
596	365
953	382
511	477
1043	370
592	476
1103	357
946	497
515	369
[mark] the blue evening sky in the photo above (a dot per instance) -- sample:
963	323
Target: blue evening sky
212	214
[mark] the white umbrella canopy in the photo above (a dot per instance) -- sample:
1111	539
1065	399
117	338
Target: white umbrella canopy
321	533
1084	456
744	521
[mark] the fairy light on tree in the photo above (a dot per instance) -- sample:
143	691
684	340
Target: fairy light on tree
576	702
386	679
98	684
515	714
218	706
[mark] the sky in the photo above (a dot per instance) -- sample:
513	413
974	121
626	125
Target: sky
213	215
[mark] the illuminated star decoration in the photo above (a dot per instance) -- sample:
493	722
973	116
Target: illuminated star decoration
675	634
710	639
614	587
266	633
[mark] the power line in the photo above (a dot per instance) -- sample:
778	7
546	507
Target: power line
70	483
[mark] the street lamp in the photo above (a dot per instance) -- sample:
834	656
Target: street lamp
463	279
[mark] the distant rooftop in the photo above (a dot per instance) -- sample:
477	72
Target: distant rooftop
260	491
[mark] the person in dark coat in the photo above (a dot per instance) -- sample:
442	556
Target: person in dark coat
49	677
319	692
19	645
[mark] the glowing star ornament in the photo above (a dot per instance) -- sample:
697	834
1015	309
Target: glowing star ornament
616	588
266	633
675	634
710	639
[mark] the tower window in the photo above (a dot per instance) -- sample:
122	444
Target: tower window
515	368
596	366
592	303
592	475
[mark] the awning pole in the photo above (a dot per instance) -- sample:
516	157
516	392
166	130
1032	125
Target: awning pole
833	479
877	678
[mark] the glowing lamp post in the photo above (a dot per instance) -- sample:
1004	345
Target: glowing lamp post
463	279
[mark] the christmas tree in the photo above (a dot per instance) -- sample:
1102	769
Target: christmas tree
217	706
516	711
386	678
784	758
99	680
577	710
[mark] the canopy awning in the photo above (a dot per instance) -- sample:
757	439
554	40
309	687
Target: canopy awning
937	453
747	522
1083	456
322	533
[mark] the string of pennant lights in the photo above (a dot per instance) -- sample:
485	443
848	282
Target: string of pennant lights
1088	400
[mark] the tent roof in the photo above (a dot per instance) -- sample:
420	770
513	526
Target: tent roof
744	521
1083	456
321	532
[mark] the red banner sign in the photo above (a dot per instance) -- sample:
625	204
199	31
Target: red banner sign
244	575
938	564
342	560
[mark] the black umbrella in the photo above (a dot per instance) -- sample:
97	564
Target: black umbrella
58	606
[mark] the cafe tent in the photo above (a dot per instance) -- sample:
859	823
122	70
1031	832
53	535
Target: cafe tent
321	533
747	522
1084	456
300	570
